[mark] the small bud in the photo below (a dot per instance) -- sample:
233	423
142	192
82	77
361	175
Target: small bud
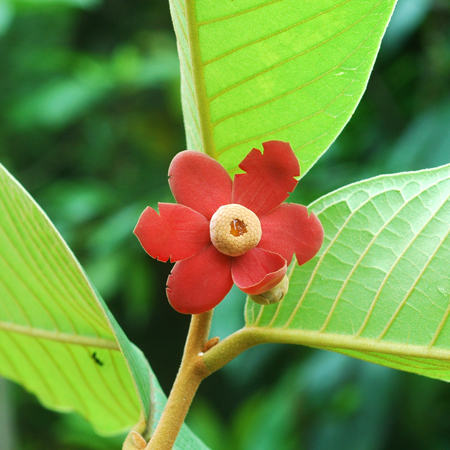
134	441
210	344
274	295
138	441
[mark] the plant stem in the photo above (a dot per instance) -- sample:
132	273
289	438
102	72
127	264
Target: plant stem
229	348
192	371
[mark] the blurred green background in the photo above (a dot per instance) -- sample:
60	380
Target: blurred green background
90	118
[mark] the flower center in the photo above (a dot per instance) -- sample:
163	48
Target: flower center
234	230
238	228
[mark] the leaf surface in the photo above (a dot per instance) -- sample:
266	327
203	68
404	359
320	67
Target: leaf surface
57	337
379	289
258	70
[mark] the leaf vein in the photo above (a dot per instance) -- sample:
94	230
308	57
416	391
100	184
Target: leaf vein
292	58
320	260
57	336
276	33
363	254
408	294
240	13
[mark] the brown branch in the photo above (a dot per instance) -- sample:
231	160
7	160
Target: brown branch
191	373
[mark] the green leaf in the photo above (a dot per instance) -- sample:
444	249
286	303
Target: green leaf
379	289
57	337
258	70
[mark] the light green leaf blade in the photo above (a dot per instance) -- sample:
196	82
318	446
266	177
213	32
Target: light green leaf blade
57	337
379	289
257	70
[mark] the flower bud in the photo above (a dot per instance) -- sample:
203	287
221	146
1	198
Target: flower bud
134	441
210	344
275	294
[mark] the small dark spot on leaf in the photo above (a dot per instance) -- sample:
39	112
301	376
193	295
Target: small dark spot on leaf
95	358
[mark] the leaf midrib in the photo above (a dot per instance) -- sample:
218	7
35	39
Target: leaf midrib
333	341
199	81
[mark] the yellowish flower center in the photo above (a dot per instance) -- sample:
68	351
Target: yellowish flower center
234	230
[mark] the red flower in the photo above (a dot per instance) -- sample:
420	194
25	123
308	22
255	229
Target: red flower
259	231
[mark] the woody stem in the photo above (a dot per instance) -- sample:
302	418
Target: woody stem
192	371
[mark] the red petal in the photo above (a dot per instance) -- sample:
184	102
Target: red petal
198	284
258	271
200	182
288	229
178	233
268	179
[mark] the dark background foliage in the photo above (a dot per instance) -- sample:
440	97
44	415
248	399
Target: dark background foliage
90	118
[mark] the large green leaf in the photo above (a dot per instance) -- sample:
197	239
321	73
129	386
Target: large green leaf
57	337
256	70
379	289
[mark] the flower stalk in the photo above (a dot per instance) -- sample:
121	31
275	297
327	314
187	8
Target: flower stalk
191	373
